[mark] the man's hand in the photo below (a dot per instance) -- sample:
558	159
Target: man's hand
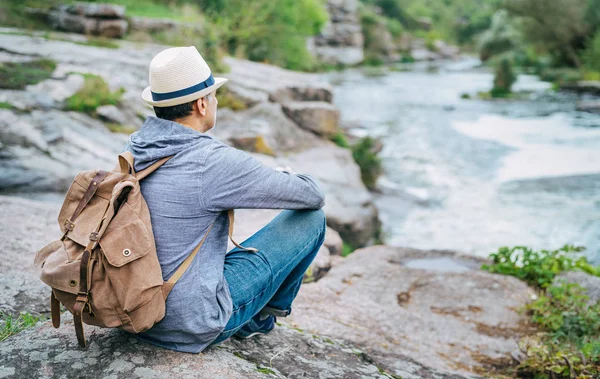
285	169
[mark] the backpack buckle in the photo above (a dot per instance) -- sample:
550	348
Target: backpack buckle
94	236
69	225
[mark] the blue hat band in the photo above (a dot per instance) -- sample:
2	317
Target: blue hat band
184	92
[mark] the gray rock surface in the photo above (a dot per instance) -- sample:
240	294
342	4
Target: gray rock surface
279	84
450	320
589	282
285	353
44	150
266	124
316	116
333	241
99	10
585	86
112	114
341	39
589	106
25	226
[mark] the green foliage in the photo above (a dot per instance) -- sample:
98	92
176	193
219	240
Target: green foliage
501	37
560	75
94	93
10	325
591	56
368	161
346	249
560	358
18	75
206	40
564	312
175	10
339	139
5	105
504	79
570	344
268	31
538	268
559	27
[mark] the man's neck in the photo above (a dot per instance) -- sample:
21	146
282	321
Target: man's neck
189	123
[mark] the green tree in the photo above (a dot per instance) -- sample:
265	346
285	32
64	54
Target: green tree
500	38
266	30
559	26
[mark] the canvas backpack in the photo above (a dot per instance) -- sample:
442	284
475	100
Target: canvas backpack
104	269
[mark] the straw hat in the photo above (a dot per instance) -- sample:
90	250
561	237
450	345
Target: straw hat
177	76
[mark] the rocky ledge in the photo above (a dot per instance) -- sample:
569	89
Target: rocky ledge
381	312
287	122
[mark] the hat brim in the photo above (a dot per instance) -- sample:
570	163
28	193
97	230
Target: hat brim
147	95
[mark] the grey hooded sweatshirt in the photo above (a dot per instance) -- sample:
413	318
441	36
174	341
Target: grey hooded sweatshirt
197	186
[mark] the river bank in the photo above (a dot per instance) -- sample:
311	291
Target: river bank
474	175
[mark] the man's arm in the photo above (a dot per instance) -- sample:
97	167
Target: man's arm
234	179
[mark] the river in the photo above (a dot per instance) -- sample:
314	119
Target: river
474	175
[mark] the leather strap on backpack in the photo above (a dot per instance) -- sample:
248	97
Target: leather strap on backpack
168	285
87	196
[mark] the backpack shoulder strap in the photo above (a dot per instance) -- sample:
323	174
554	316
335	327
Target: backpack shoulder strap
126	162
153	167
169	284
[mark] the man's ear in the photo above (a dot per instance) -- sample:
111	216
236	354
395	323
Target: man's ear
201	106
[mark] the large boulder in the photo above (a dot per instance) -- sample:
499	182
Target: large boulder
102	19
316	116
44	150
585	86
435	307
99	10
589	106
264	129
279	84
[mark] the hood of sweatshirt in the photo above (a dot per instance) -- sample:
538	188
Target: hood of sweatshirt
159	138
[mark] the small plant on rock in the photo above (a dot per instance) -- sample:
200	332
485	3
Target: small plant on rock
367	159
538	268
94	93
10	325
504	79
17	75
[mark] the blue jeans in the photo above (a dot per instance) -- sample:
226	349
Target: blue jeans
269	279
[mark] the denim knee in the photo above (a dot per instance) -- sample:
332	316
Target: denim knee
314	219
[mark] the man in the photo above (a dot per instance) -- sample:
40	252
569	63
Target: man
241	292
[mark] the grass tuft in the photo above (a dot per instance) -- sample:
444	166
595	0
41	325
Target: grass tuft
10	325
367	159
17	75
94	93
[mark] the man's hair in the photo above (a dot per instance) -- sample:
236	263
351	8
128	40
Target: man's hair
176	111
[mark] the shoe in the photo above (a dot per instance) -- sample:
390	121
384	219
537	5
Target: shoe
256	326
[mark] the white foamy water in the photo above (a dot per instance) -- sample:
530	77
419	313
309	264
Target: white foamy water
544	147
474	175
